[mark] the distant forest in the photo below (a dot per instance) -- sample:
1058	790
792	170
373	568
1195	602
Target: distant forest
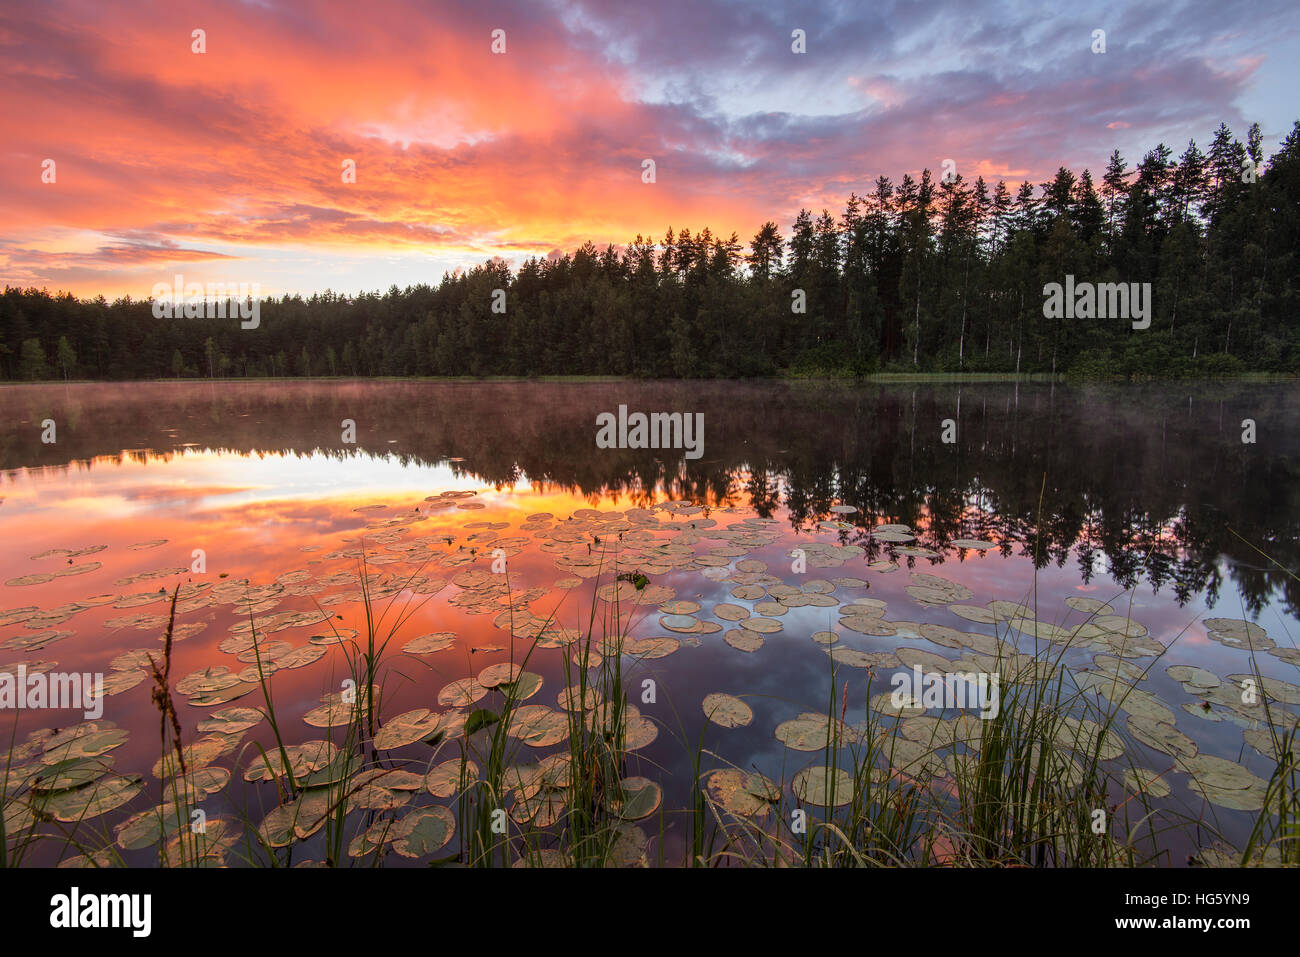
927	275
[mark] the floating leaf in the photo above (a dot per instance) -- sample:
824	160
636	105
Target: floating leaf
231	720
634	798
808	732
743	640
497	674
406	728
821	786
461	693
444	780
727	710
729	612
741	793
94	800
429	644
1145	781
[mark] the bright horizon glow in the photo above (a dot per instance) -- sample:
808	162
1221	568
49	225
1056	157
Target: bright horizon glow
225	166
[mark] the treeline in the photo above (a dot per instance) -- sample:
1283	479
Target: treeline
929	274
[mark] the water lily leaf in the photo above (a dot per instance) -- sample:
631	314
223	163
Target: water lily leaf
430	643
867	625
88	745
523	687
821	786
71	774
680	607
1274	688
743	640
300	657
1219	772
729	612
93	800
35	579
302	759
651	648
538	726
1085	738
406	728
1238	633
638	730
461	693
1090	606
373	838
1248	799
634	799
444	780
1145	781
1193	678
231	720
233	692
423	831
1125	670
578	698
1161	735
686	624
1006	610
480	718
727	710
542	808
498	674
147	828
808	732
854	658
741	793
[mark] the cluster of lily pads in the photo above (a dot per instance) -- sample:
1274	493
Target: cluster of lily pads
384	778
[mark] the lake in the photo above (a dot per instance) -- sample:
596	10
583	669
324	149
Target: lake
466	547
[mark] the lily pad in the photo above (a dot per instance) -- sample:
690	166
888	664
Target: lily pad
727	710
634	798
423	831
94	800
406	728
444	780
733	791
743	640
820	786
429	644
1146	781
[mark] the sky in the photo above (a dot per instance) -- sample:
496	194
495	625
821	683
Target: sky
226	166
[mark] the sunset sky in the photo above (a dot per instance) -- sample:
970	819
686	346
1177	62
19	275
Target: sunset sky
226	166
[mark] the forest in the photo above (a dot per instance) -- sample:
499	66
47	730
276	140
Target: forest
928	274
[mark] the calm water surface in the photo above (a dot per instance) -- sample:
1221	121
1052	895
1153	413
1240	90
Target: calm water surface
1143	497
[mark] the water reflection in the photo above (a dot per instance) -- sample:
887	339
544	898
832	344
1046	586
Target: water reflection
1088	492
1146	483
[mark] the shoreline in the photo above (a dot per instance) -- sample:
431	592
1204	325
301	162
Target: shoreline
882	377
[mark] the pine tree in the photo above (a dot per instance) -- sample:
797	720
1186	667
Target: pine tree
67	357
1114	186
33	366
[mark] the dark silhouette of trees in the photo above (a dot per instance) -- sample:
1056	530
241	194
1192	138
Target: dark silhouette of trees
927	275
